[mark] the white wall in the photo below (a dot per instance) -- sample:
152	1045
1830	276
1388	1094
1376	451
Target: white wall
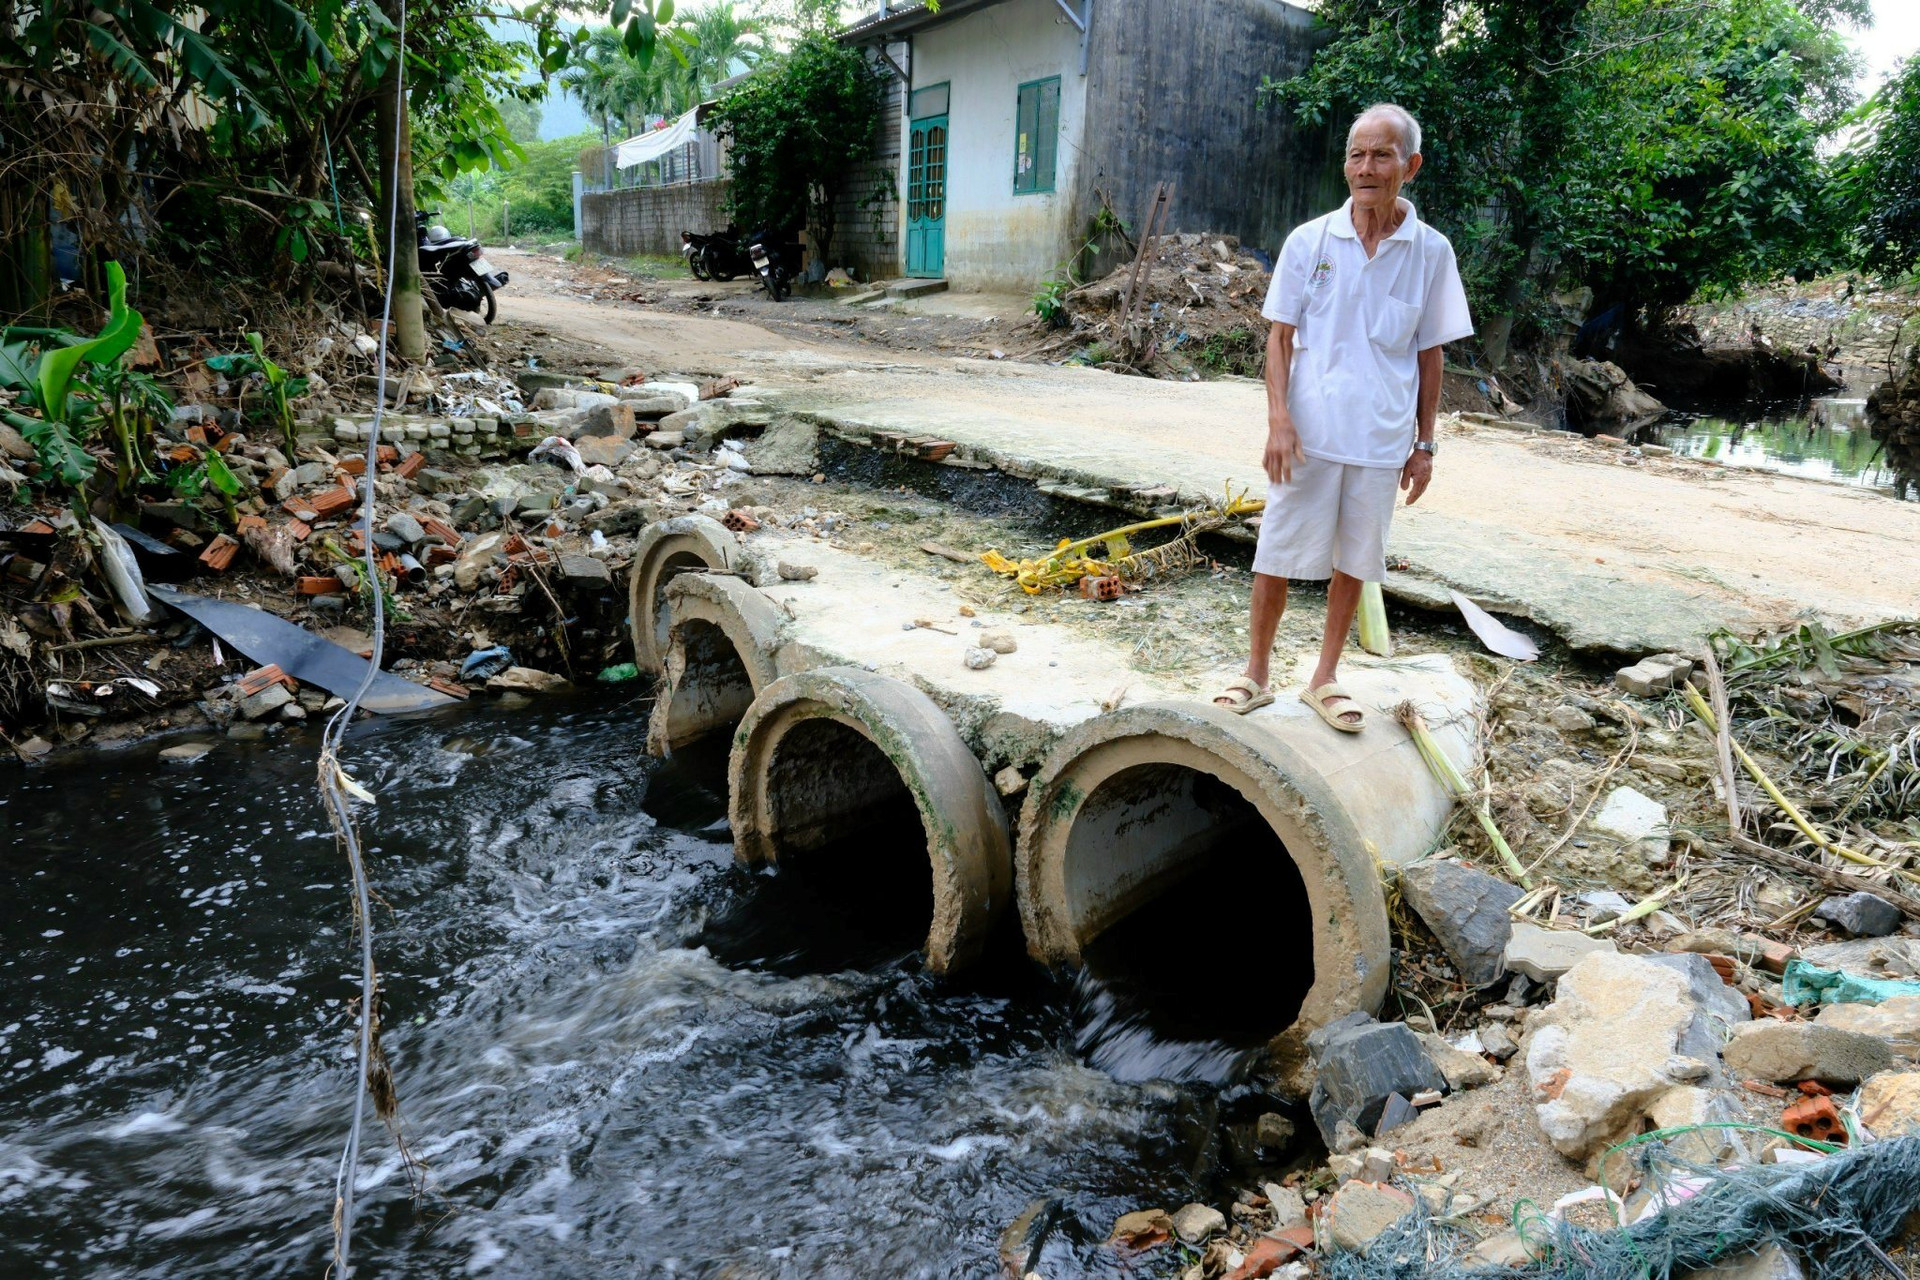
995	239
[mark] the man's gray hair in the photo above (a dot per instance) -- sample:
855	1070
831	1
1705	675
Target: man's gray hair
1399	117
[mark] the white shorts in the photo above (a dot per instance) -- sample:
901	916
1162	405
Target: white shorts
1329	517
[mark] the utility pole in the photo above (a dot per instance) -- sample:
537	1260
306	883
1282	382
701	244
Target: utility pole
396	170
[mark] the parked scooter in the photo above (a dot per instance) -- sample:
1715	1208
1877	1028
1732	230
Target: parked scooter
714	256
456	269
773	262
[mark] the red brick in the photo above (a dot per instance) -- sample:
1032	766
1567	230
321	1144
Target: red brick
440	529
318	586
220	553
263	677
408	468
329	502
354	464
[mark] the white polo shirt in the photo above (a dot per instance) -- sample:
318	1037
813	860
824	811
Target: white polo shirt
1362	322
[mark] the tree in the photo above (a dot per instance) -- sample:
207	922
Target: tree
793	128
1879	175
1647	149
522	119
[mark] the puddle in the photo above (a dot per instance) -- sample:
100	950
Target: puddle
1826	439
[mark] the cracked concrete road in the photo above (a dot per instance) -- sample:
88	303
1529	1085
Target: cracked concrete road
1613	557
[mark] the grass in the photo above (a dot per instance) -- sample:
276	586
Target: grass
657	266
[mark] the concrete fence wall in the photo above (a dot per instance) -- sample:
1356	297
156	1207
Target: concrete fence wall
650	219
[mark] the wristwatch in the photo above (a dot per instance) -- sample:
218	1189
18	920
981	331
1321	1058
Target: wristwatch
1427	447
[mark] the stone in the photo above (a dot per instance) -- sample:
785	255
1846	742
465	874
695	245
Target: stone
1193	1223
789	447
665	440
999	641
1633	819
1273	1131
309	474
1770	1263
1462	1070
1775	1050
526	680
434	480
609	420
185	752
1862	914
1892	957
1570	720
535	504
1896	1021
1889	1104
1654	675
1467	910
246	731
258	706
603	451
1622	1031
1498	1041
1141	1229
1545	954
1358	1064
1288	1205
1360	1211
14	445
651	405
1692	1107
1010	781
585	571
793	571
293	711
406	528
622	517
978	659
475	558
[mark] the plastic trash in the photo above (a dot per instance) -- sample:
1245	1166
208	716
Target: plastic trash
483	664
1805	983
123	575
618	672
560	452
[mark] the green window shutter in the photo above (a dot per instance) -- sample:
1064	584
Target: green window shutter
1046	129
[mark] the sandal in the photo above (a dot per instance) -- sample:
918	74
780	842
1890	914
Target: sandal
1335	716
1242	695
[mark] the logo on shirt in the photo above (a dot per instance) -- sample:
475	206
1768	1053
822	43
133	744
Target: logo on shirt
1320	275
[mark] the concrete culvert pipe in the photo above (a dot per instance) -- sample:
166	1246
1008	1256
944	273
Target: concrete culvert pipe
721	638
664	551
843	765
1238	854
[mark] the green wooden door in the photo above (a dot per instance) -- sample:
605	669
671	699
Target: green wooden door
927	197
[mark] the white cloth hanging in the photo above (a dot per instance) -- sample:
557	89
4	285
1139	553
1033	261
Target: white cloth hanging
656	142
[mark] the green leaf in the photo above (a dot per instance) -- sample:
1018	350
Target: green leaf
59	452
620	10
222	476
663	13
231	362
54	375
16	364
125	62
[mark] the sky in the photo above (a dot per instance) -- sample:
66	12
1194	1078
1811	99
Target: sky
1895	34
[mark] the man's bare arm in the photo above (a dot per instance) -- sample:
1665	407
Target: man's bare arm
1418	471
1283	442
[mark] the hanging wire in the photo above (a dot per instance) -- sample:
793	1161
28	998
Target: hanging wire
337	789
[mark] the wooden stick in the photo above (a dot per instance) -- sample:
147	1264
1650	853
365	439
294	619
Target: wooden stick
1723	741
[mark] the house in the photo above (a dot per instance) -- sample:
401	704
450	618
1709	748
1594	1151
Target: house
1014	122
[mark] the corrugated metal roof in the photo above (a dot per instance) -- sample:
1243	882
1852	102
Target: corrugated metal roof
914	17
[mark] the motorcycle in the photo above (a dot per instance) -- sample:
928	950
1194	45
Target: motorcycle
772	263
456	269
714	256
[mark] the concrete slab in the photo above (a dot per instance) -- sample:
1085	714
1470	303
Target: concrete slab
915	288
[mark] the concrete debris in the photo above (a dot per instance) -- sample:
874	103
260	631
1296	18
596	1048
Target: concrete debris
1889	1104
998	641
1772	1050
1862	914
1635	820
1570	719
1193	1223
1273	1131
1360	1211
265	702
1288	1206
979	659
1498	1041
1010	781
1462	1070
1359	1064
1652	676
794	571
1141	1229
1622	1032
1545	954
185	752
585	571
1890	957
1896	1021
789	447
1467	911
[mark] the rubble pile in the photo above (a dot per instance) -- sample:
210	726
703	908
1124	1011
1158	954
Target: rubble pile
1195	311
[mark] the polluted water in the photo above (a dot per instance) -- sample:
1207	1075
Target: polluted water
616	1051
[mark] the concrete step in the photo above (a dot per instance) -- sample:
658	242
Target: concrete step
915	288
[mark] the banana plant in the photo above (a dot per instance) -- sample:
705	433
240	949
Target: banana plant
282	387
58	435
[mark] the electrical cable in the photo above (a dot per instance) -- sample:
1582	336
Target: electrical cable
337	789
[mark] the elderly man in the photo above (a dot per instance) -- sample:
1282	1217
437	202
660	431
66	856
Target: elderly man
1361	301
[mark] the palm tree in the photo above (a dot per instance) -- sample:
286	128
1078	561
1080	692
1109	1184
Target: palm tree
722	43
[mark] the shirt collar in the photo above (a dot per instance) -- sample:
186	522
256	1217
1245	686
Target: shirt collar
1342	224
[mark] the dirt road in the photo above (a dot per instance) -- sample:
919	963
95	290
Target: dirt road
1612	551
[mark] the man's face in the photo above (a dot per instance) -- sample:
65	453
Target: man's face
1375	168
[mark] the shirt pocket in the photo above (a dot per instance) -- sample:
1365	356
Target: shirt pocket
1393	324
